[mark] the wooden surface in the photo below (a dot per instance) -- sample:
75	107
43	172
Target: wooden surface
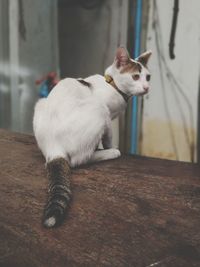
132	211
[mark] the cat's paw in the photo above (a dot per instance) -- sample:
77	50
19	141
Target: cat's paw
115	153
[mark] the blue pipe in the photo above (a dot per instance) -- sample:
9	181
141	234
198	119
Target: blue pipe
136	53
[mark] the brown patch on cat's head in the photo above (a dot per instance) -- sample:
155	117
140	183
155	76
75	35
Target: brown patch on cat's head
128	65
131	67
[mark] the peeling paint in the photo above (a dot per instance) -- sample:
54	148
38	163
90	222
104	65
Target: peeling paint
157	141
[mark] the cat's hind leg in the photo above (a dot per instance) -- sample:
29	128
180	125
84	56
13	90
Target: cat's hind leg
105	154
107	137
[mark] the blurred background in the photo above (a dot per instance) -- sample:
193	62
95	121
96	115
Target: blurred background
42	41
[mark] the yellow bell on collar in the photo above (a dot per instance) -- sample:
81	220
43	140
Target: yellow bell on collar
108	78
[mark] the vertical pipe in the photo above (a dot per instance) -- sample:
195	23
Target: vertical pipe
54	25
198	126
14	63
134	119
4	67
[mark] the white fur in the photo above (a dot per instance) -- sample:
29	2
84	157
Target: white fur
73	119
50	222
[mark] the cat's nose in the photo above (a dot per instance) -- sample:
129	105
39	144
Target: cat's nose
146	88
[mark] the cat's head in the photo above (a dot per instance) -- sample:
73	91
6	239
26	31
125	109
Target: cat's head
130	76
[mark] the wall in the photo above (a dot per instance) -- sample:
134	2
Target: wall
88	40
27	52
38	53
170	111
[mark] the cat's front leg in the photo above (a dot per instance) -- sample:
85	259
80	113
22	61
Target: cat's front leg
107	137
105	154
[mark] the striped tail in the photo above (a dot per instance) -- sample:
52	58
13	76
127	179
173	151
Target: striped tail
58	171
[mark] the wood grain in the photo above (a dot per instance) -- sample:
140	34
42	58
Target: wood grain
132	211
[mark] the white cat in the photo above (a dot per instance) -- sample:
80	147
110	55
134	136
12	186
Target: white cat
76	116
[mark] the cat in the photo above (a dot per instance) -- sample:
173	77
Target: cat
76	116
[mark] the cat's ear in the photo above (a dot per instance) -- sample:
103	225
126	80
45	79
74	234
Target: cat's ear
144	58
121	57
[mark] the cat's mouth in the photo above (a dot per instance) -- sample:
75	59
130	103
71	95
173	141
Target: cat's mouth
143	93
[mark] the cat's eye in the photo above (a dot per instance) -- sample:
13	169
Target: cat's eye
148	77
136	77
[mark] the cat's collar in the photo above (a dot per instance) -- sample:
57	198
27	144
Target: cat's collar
110	80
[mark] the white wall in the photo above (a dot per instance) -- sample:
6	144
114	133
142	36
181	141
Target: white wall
28	50
170	111
38	53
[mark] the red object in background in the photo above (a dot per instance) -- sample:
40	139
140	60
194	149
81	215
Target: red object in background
51	78
47	83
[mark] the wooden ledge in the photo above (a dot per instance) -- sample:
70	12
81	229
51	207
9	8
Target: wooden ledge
133	211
